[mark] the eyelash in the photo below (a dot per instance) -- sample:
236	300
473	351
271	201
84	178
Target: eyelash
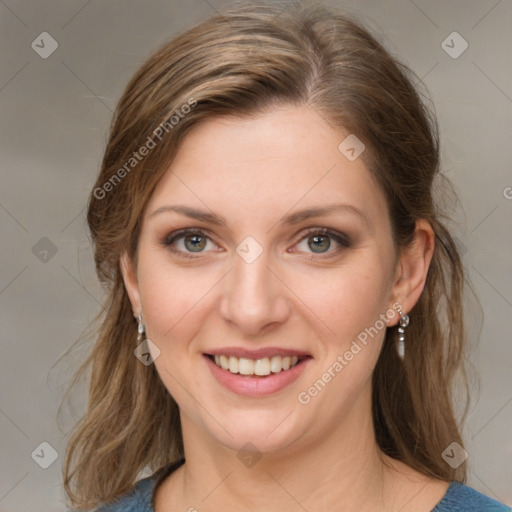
340	238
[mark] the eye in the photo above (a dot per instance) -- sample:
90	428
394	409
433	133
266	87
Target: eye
186	242
319	240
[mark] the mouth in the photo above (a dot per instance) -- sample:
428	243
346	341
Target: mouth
259	372
261	367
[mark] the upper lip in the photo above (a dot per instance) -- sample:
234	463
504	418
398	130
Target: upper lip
259	353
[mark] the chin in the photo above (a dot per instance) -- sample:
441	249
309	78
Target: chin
264	432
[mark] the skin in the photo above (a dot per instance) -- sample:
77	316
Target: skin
318	455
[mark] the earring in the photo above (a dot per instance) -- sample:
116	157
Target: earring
403	323
140	329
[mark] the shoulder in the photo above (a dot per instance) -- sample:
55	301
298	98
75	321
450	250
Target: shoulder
137	500
461	498
140	498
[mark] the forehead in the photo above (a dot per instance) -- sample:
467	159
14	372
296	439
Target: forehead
278	161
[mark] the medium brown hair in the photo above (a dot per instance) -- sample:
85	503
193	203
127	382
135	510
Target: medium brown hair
238	63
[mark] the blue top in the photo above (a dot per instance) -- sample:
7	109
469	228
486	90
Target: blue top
458	497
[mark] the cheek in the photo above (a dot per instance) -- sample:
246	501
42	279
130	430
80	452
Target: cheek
172	303
348	300
172	298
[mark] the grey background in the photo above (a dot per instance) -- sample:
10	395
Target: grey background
55	114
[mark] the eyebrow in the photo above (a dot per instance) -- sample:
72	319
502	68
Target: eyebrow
291	218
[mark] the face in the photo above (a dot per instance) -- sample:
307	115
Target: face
231	264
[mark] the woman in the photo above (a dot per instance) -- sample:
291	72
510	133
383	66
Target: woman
284	320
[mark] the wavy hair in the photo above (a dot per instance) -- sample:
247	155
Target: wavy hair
239	62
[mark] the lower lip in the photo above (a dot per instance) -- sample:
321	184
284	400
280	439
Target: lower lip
249	385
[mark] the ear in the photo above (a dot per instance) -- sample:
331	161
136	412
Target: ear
412	268
131	285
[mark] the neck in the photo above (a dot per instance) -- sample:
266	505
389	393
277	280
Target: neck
344	469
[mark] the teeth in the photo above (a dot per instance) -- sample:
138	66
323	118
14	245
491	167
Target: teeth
275	364
233	365
245	366
264	366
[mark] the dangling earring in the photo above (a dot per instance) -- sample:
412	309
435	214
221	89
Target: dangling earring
403	323
146	351
140	329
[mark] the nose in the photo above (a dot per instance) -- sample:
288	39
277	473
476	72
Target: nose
254	296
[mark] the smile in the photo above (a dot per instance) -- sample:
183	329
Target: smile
259	367
268	371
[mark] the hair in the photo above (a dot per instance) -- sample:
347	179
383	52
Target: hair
240	62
